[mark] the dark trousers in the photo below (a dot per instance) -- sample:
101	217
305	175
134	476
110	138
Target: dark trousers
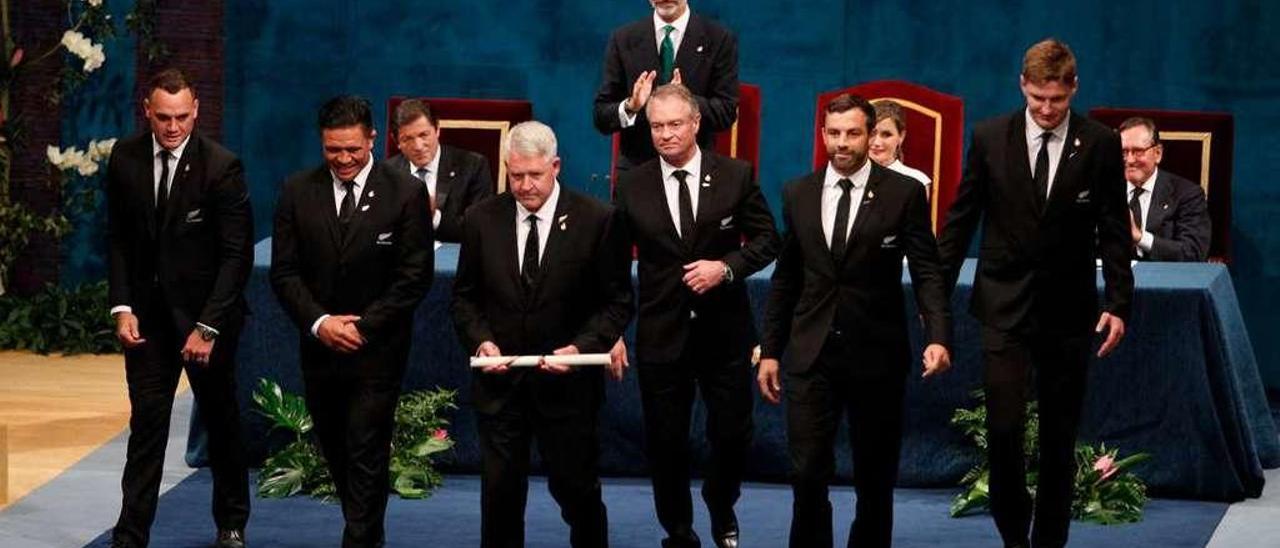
152	372
666	393
1060	364
569	447
354	414
867	388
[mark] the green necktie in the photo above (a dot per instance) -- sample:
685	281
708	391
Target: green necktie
668	53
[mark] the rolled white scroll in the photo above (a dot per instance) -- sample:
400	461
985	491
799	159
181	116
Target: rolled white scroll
532	361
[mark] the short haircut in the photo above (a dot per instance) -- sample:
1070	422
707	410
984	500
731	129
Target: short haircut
1140	121
410	110
846	102
170	80
1049	60
345	111
677	91
532	138
891	110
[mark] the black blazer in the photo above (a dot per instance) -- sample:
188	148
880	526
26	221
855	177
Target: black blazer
582	296
1179	219
708	63
464	179
201	254
863	290
379	271
731	210
1036	268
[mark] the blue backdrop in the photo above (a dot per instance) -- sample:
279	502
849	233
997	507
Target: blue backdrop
284	57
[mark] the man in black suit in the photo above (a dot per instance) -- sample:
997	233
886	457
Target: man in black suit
1049	189
672	46
837	302
455	178
1168	215
350	259
700	226
542	271
180	232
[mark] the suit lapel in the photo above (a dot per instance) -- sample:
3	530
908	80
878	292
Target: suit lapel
1159	203
551	254
690	56
368	198
1062	187
866	208
179	186
706	189
807	222
659	206
145	178
444	178
1022	181
323	204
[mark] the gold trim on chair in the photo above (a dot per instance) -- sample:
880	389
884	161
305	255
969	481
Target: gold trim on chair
937	149
1206	143
501	126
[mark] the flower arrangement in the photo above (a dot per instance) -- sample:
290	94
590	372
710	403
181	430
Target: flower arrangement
299	468
1105	491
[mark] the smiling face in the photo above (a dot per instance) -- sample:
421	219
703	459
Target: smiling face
1049	102
1141	154
847	140
347	149
172	116
886	140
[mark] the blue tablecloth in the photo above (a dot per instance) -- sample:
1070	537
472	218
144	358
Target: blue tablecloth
1183	386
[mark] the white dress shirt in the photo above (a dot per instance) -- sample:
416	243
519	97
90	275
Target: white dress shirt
677	36
433	175
831	193
1055	146
671	185
544	215
1144	204
339	192
912	172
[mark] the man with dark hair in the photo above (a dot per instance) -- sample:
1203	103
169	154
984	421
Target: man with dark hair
837	303
1048	186
1168	215
700	226
455	178
180	233
671	46
350	260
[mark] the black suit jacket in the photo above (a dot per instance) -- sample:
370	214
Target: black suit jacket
1036	268
380	270
201	254
1178	218
464	180
731	209
582	296
708	63
863	290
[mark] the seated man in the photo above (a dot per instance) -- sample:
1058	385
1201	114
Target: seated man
1169	215
455	178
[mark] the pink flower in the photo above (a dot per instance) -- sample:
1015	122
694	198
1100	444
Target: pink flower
1107	465
440	434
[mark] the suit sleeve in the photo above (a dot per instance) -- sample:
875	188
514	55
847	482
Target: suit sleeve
719	106
479	186
613	276
119	252
468	290
286	272
1115	244
614	88
784	290
414	270
928	276
234	216
965	212
1191	229
756	220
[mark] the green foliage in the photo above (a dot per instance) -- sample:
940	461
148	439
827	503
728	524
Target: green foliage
299	468
70	321
1105	491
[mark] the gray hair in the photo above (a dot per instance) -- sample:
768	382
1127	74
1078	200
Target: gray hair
674	91
532	138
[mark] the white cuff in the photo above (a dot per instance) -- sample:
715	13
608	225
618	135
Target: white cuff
210	328
121	308
435	219
626	119
1148	239
315	327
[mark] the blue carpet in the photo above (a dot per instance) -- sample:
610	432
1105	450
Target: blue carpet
450	518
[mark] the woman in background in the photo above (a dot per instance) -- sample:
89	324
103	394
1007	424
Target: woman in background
886	142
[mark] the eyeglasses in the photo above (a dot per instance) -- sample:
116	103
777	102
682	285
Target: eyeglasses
1127	152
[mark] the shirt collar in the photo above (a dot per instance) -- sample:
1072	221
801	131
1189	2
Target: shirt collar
176	152
680	23
1149	185
858	178
545	212
1034	130
433	166
360	177
693	166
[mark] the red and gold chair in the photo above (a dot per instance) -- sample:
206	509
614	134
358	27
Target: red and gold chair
1198	146
478	125
935	135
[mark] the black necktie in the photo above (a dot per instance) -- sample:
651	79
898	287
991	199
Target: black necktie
686	206
840	232
348	206
1041	175
1135	206
162	189
529	270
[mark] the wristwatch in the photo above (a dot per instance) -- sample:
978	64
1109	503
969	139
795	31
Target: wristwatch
206	333
728	272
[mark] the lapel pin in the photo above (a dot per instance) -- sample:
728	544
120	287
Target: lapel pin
871	194
453	174
564	225
370	193
707	178
699	49
364	207
1164	206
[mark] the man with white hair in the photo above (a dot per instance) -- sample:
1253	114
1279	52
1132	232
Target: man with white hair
566	290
